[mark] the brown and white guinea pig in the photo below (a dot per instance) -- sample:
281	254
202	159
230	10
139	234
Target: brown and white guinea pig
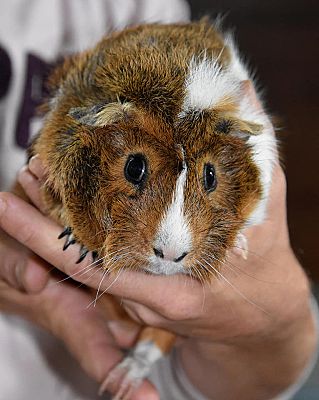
153	147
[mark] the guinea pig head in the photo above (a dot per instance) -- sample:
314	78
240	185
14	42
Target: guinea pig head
148	195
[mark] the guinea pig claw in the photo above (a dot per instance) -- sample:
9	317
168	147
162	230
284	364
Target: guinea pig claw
83	253
95	255
126	387
125	392
114	376
66	232
69	241
127	376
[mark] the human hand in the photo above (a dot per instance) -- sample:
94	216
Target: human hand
29	287
246	323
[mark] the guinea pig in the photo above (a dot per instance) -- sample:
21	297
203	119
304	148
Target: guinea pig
152	141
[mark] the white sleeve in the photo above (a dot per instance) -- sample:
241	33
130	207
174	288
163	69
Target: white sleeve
170	379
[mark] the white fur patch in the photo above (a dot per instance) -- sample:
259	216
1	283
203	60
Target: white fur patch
136	366
207	84
139	363
174	236
264	144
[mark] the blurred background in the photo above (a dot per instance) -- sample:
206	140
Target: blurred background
280	40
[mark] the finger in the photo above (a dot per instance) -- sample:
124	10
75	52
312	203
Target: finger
146	391
36	167
125	333
31	186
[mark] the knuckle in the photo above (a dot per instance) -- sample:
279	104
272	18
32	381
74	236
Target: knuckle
173	313
179	309
12	271
143	315
149	318
26	236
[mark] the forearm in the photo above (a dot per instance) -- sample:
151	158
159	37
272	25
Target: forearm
257	367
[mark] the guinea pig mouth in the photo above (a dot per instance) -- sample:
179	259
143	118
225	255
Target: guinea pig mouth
163	267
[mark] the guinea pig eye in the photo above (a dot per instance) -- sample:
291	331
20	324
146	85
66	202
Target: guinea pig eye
135	169
210	180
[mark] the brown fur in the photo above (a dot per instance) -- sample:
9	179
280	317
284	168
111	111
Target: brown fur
123	97
164	339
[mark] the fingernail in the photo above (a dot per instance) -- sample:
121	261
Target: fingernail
3	205
36	166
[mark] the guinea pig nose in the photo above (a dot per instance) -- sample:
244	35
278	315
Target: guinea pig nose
158	252
180	258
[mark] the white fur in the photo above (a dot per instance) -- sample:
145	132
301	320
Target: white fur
136	366
264	144
141	360
174	236
207	84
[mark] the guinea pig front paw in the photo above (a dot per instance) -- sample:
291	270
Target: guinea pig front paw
127	377
83	253
70	240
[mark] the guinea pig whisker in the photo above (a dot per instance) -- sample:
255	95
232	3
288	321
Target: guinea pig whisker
106	272
232	267
114	254
236	289
202	281
257	255
89	277
225	262
98	296
206	268
84	270
108	269
91	266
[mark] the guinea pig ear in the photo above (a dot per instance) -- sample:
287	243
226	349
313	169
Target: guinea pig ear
245	122
246	127
101	115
